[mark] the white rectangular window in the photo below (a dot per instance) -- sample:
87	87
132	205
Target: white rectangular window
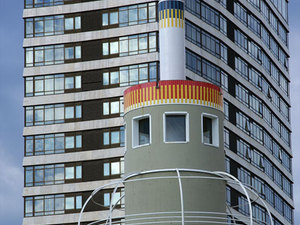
141	131
176	127
210	129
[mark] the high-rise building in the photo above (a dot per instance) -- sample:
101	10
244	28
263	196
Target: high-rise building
80	56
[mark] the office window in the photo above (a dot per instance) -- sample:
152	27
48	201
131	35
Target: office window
52	144
130	45
113	168
52	54
141	131
52	174
52	114
204	68
176	127
226	138
130	75
210	129
45	3
113	107
114	199
130	15
52	204
51	25
52	84
243	150
113	137
242	94
241	40
212	17
241	67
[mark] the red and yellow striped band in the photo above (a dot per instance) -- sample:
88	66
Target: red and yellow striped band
173	92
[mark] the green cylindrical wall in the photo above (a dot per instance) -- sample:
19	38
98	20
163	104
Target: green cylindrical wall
163	195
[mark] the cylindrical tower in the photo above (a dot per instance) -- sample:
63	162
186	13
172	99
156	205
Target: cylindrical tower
171	39
178	125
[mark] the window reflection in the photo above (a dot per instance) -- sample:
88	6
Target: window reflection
51	25
50	144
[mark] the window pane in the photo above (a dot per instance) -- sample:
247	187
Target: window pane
105	49
144	131
78	141
69	142
69	173
78	111
78	172
77	22
29	86
114	77
49	175
49	84
29	177
114	19
59	173
124	46
114	107
49	143
69	82
78	82
106	108
49	114
123	16
104	19
49	206
106	199
78	202
115	168
70	203
106	169
114	47
69	25
59	83
106	138
207	130
59	203
78	52
175	128
69	53
115	137
133	45
69	112
105	78
59	143
38	206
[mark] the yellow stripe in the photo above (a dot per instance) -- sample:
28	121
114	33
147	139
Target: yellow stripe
194	94
146	96
151	96
164	18
173	93
177	88
161	19
201	97
172	18
179	18
170	91
166	93
175	17
181	93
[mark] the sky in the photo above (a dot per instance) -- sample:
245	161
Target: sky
11	111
